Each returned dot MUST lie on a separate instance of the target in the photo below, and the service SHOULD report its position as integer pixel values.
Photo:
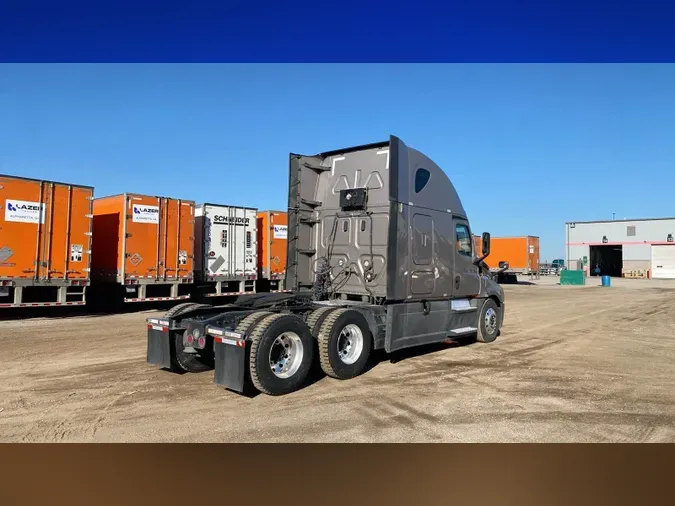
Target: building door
(663, 261)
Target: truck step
(463, 330)
(311, 203)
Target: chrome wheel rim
(490, 320)
(350, 344)
(286, 355)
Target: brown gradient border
(347, 474)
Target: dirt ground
(587, 364)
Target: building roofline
(619, 221)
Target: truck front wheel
(488, 322)
(281, 352)
(345, 343)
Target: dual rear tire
(282, 347)
(345, 343)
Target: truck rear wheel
(345, 343)
(316, 319)
(249, 321)
(281, 352)
(180, 360)
(488, 322)
(183, 307)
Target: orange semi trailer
(143, 248)
(272, 244)
(521, 253)
(45, 242)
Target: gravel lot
(587, 364)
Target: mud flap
(159, 345)
(230, 361)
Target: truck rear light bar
(226, 336)
(155, 324)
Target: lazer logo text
(24, 212)
(145, 214)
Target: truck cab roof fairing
(394, 175)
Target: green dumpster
(572, 278)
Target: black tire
(182, 308)
(329, 338)
(187, 362)
(485, 334)
(262, 337)
(249, 321)
(316, 319)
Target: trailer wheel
(187, 362)
(488, 322)
(345, 343)
(280, 353)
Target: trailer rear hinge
(88, 234)
(191, 238)
(313, 203)
(85, 270)
(128, 234)
(90, 197)
(88, 252)
(318, 168)
(89, 216)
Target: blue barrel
(606, 281)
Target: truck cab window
(421, 179)
(464, 241)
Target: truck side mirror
(486, 243)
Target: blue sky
(527, 146)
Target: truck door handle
(457, 280)
(426, 309)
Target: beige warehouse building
(630, 248)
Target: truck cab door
(466, 276)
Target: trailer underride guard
(380, 256)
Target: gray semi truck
(380, 256)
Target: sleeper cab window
(464, 241)
(421, 179)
